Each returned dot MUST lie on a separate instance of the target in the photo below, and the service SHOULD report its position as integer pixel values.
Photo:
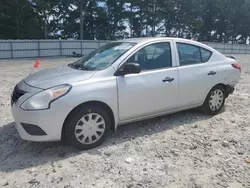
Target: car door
(197, 75)
(154, 89)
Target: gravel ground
(186, 149)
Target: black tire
(206, 107)
(72, 120)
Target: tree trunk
(45, 25)
(17, 22)
(45, 30)
(17, 29)
(131, 20)
(147, 19)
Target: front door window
(154, 56)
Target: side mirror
(129, 68)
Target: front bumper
(39, 126)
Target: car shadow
(17, 154)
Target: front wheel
(215, 101)
(87, 127)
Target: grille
(17, 93)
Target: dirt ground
(183, 150)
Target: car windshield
(102, 57)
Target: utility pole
(81, 19)
(147, 10)
(131, 20)
(82, 13)
(154, 21)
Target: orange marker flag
(36, 65)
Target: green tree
(18, 20)
(203, 20)
(116, 15)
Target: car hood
(50, 77)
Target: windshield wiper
(72, 65)
(84, 68)
(78, 66)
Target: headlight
(42, 100)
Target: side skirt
(157, 115)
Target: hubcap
(216, 100)
(90, 128)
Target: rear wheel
(215, 101)
(87, 128)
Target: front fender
(104, 91)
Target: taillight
(237, 66)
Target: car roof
(144, 40)
(148, 39)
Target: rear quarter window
(205, 55)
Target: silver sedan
(121, 82)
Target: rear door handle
(211, 73)
(168, 79)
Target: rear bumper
(229, 90)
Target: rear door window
(188, 54)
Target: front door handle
(168, 79)
(211, 73)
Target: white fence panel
(48, 48)
(5, 46)
(50, 52)
(25, 45)
(88, 45)
(27, 53)
(67, 52)
(5, 54)
(71, 44)
(49, 45)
